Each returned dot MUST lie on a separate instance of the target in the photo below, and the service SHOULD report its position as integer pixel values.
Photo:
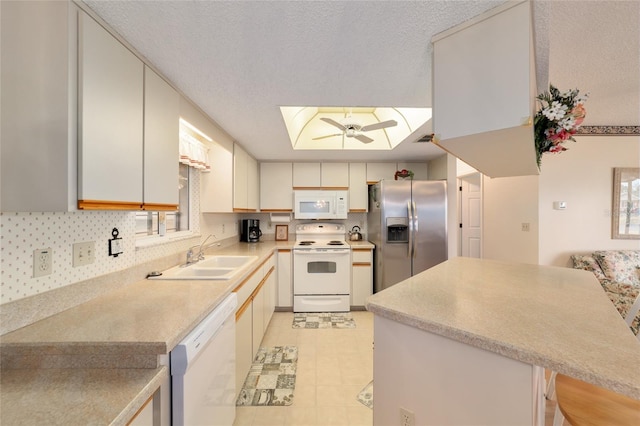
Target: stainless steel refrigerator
(407, 222)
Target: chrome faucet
(196, 257)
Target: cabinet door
(161, 128)
(335, 175)
(378, 171)
(38, 119)
(358, 189)
(253, 184)
(244, 351)
(216, 195)
(111, 120)
(285, 282)
(306, 175)
(361, 276)
(257, 318)
(240, 183)
(269, 296)
(276, 187)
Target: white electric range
(321, 268)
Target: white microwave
(309, 204)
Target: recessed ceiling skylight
(351, 128)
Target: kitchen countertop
(102, 356)
(72, 396)
(556, 318)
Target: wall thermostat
(559, 205)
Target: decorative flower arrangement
(558, 120)
(404, 173)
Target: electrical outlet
(42, 262)
(84, 253)
(223, 228)
(525, 227)
(407, 418)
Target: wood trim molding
(238, 210)
(276, 210)
(108, 205)
(243, 308)
(361, 264)
(357, 210)
(160, 207)
(284, 250)
(360, 249)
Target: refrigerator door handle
(410, 220)
(414, 227)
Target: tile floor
(333, 367)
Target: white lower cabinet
(361, 275)
(244, 342)
(256, 298)
(285, 279)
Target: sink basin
(211, 268)
(225, 261)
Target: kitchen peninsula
(466, 342)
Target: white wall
(507, 204)
(583, 177)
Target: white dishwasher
(203, 390)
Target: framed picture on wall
(282, 232)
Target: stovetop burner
(306, 243)
(335, 243)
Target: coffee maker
(250, 230)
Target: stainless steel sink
(210, 268)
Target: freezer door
(393, 260)
(430, 224)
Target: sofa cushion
(620, 265)
(588, 263)
(623, 303)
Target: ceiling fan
(352, 129)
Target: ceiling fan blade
(333, 123)
(327, 136)
(363, 138)
(381, 125)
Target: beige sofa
(619, 274)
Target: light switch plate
(84, 253)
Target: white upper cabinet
(216, 186)
(110, 145)
(378, 171)
(161, 133)
(253, 184)
(39, 110)
(484, 91)
(306, 175)
(358, 189)
(276, 187)
(334, 175)
(245, 181)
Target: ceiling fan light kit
(352, 129)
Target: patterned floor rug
(323, 320)
(272, 377)
(366, 395)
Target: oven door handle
(321, 251)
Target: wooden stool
(585, 404)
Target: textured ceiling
(240, 61)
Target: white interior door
(471, 215)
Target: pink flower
(557, 148)
(579, 112)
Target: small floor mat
(366, 395)
(323, 320)
(272, 377)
